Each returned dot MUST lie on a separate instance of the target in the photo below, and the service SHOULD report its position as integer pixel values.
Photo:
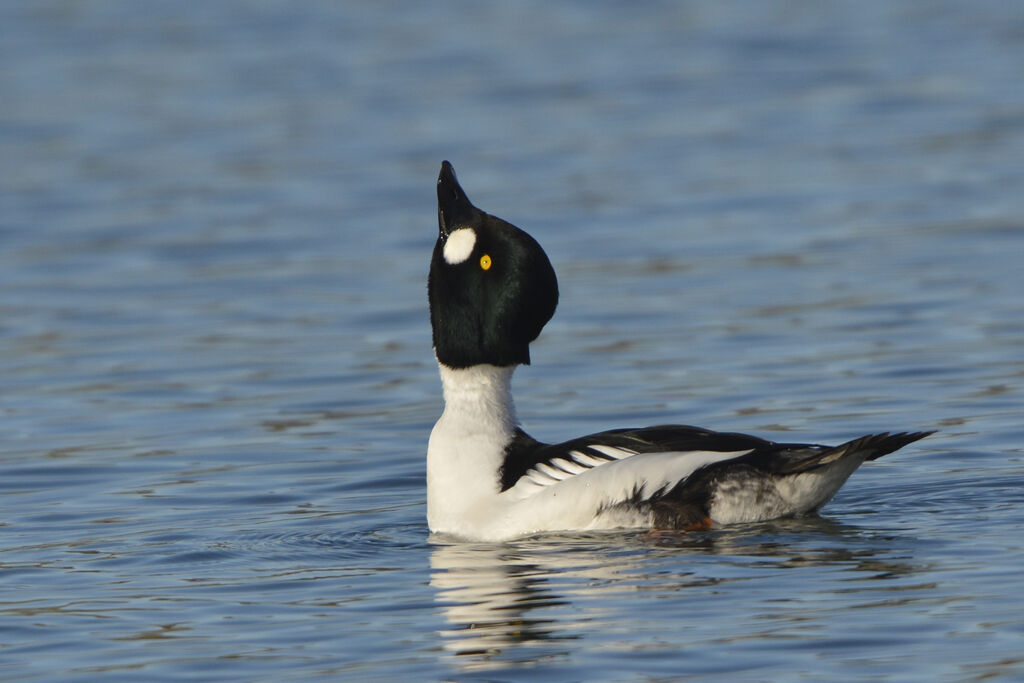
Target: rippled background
(216, 382)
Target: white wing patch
(612, 452)
(568, 466)
(551, 472)
(585, 460)
(575, 462)
(650, 473)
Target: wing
(546, 464)
(671, 474)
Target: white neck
(479, 397)
(467, 445)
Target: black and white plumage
(491, 290)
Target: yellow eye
(485, 262)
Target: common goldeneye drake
(491, 290)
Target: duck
(491, 289)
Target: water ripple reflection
(517, 604)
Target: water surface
(216, 381)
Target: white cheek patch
(459, 245)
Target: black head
(491, 286)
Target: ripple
(371, 543)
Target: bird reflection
(521, 602)
(495, 600)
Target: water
(216, 381)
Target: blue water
(216, 380)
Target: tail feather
(877, 445)
(870, 447)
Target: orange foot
(704, 524)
